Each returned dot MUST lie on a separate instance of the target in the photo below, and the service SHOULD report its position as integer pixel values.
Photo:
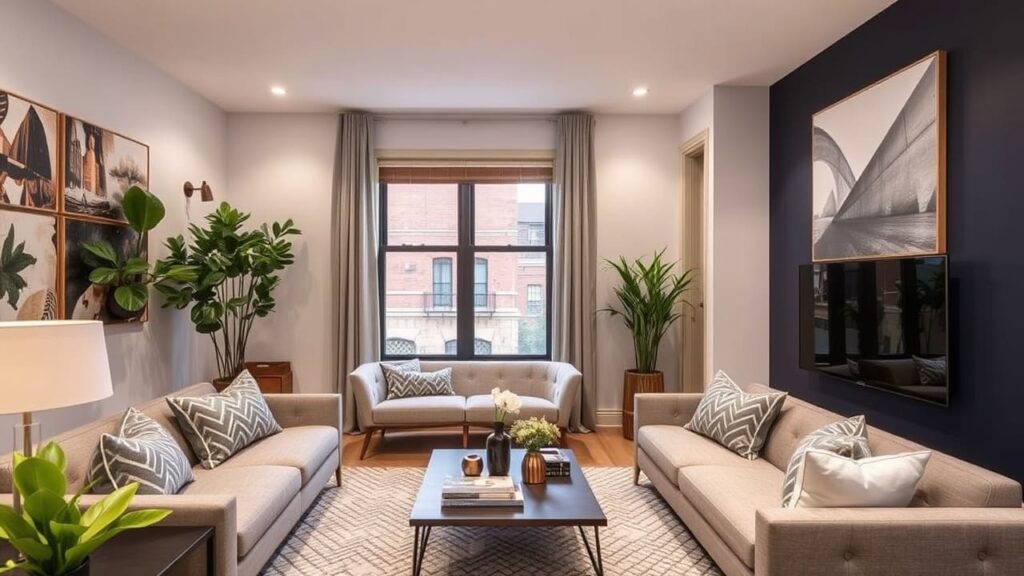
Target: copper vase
(534, 469)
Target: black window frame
(466, 252)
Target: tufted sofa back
(528, 378)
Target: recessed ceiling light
(640, 91)
(278, 91)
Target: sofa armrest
(217, 511)
(650, 409)
(905, 541)
(564, 391)
(369, 389)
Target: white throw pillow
(833, 481)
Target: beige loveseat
(252, 500)
(964, 520)
(547, 389)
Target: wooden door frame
(694, 148)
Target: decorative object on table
(28, 153)
(648, 299)
(54, 536)
(534, 434)
(830, 480)
(99, 168)
(472, 465)
(237, 272)
(127, 276)
(879, 168)
(498, 491)
(847, 437)
(219, 425)
(735, 419)
(28, 266)
(556, 464)
(499, 443)
(272, 377)
(34, 381)
(142, 452)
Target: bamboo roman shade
(455, 174)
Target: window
(493, 305)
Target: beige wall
(59, 61)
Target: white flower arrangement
(505, 403)
(535, 433)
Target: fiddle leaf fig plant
(52, 534)
(131, 276)
(237, 271)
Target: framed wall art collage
(62, 180)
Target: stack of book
(485, 491)
(558, 466)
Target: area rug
(363, 530)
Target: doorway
(694, 255)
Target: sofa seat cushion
(673, 447)
(421, 410)
(302, 447)
(728, 497)
(262, 493)
(480, 409)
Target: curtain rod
(468, 117)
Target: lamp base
(25, 435)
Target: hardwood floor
(604, 447)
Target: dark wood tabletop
(559, 502)
(152, 551)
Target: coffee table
(559, 502)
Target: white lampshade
(52, 364)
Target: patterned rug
(363, 530)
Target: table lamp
(50, 364)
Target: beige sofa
(252, 500)
(964, 519)
(547, 389)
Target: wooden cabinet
(273, 377)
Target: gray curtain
(354, 242)
(575, 262)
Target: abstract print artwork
(99, 166)
(878, 161)
(28, 266)
(84, 300)
(28, 153)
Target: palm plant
(648, 299)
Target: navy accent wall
(984, 423)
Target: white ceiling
(471, 55)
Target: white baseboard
(609, 418)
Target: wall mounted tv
(878, 323)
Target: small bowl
(472, 465)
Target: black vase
(499, 451)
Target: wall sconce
(205, 192)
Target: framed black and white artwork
(28, 153)
(99, 166)
(879, 168)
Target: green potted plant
(52, 534)
(129, 277)
(236, 274)
(534, 434)
(648, 300)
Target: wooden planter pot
(634, 383)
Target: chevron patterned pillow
(142, 452)
(407, 384)
(735, 419)
(219, 425)
(847, 438)
(402, 365)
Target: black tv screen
(879, 323)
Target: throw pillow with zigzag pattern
(219, 425)
(408, 384)
(847, 438)
(142, 452)
(735, 419)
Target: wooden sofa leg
(636, 475)
(366, 441)
(337, 475)
(465, 436)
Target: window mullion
(464, 291)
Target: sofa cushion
(302, 447)
(421, 410)
(480, 409)
(262, 493)
(410, 383)
(141, 452)
(847, 437)
(738, 420)
(728, 497)
(673, 447)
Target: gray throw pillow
(142, 452)
(408, 384)
(847, 438)
(402, 365)
(735, 419)
(219, 425)
(931, 371)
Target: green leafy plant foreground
(13, 260)
(52, 534)
(132, 276)
(648, 298)
(236, 274)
